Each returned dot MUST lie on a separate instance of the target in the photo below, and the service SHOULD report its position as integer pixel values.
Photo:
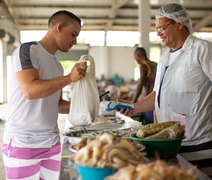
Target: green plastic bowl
(166, 148)
(88, 173)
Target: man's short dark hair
(64, 17)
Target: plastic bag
(85, 101)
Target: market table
(69, 172)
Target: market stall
(122, 125)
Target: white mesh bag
(84, 96)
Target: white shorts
(26, 163)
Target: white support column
(105, 38)
(106, 61)
(3, 71)
(144, 22)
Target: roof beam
(206, 20)
(114, 11)
(5, 13)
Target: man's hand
(78, 71)
(128, 112)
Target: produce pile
(107, 150)
(156, 170)
(163, 130)
(110, 151)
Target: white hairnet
(177, 13)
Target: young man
(32, 147)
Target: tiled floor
(3, 114)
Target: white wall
(100, 55)
(113, 60)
